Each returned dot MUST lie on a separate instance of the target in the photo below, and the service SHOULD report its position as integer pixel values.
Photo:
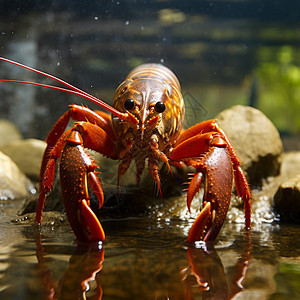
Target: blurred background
(223, 52)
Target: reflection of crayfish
(206, 272)
(84, 266)
(203, 276)
(146, 124)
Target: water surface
(147, 259)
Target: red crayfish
(145, 125)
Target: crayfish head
(144, 101)
(151, 103)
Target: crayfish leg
(51, 155)
(243, 191)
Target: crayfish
(145, 124)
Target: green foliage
(287, 281)
(279, 86)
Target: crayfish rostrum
(144, 125)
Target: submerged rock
(287, 200)
(8, 132)
(27, 154)
(256, 141)
(13, 183)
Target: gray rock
(8, 132)
(256, 141)
(287, 200)
(13, 183)
(27, 154)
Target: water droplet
(58, 63)
(200, 245)
(96, 18)
(127, 23)
(162, 60)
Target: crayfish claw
(217, 193)
(77, 170)
(90, 223)
(97, 188)
(193, 188)
(200, 225)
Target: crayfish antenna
(70, 89)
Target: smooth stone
(27, 154)
(8, 132)
(256, 141)
(13, 183)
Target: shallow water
(147, 259)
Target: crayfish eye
(160, 107)
(129, 104)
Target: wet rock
(287, 200)
(256, 141)
(290, 164)
(27, 154)
(49, 218)
(8, 132)
(263, 199)
(13, 183)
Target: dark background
(223, 52)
